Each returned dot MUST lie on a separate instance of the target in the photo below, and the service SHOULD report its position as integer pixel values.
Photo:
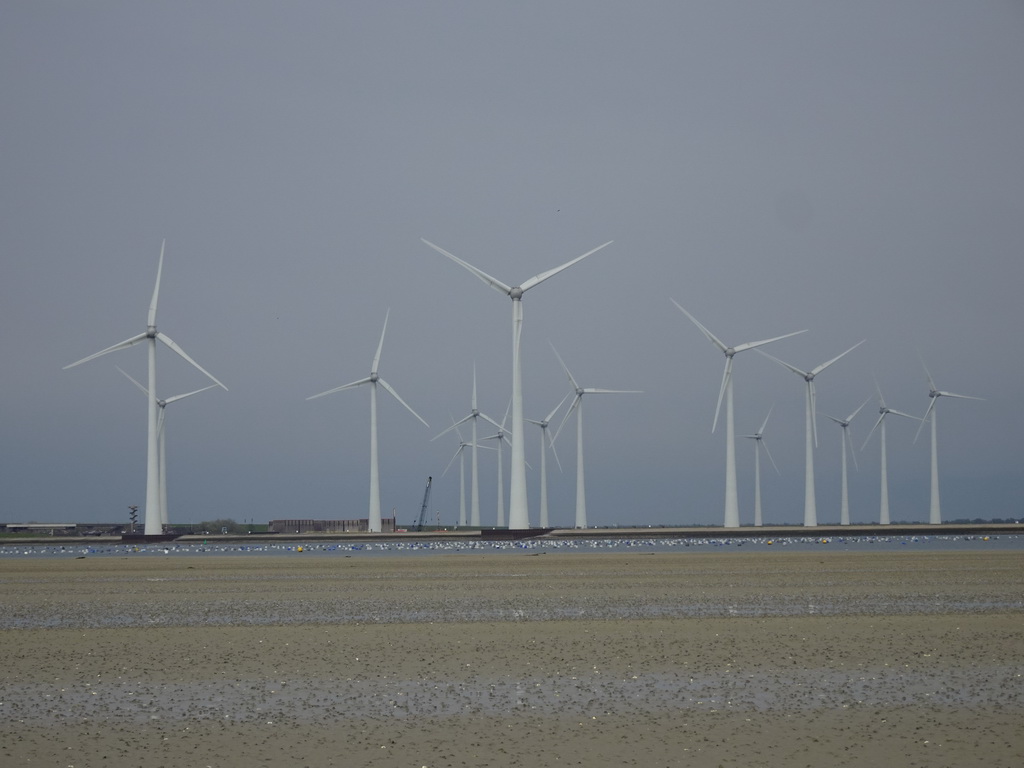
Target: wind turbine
(546, 440)
(732, 508)
(153, 525)
(474, 414)
(844, 514)
(373, 380)
(758, 438)
(577, 405)
(519, 514)
(810, 508)
(935, 516)
(459, 454)
(501, 438)
(883, 515)
(162, 445)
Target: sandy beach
(695, 658)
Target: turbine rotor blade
(350, 385)
(174, 399)
(726, 375)
(592, 391)
(380, 345)
(960, 397)
(538, 279)
(120, 345)
(812, 394)
(755, 344)
(793, 368)
(565, 368)
(491, 281)
(850, 417)
(872, 431)
(181, 352)
(551, 444)
(133, 381)
(765, 423)
(905, 415)
(764, 445)
(931, 383)
(707, 334)
(453, 426)
(572, 407)
(931, 406)
(151, 319)
(555, 409)
(849, 438)
(395, 395)
(823, 366)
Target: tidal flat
(705, 658)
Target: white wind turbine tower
(844, 514)
(373, 380)
(811, 441)
(883, 514)
(546, 440)
(519, 514)
(732, 508)
(577, 405)
(162, 444)
(758, 438)
(474, 414)
(935, 515)
(153, 525)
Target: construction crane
(423, 509)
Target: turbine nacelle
(516, 293)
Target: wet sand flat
(683, 658)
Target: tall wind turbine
(546, 441)
(162, 445)
(373, 380)
(844, 514)
(519, 514)
(758, 438)
(935, 516)
(474, 414)
(732, 507)
(883, 514)
(577, 405)
(153, 526)
(810, 508)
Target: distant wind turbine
(546, 441)
(162, 445)
(502, 438)
(811, 441)
(373, 380)
(883, 514)
(758, 438)
(474, 414)
(577, 405)
(732, 507)
(460, 455)
(844, 514)
(935, 514)
(519, 515)
(153, 524)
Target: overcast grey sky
(855, 169)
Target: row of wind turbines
(811, 435)
(156, 516)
